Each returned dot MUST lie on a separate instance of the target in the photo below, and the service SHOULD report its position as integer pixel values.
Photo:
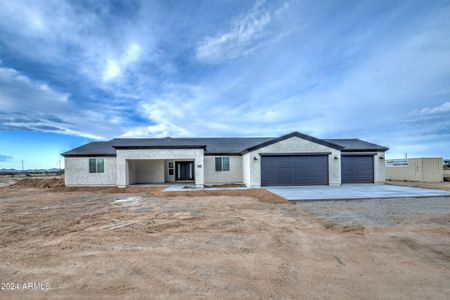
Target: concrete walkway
(352, 191)
(192, 188)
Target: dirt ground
(142, 243)
(430, 185)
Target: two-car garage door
(284, 170)
(278, 170)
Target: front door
(184, 170)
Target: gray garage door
(294, 170)
(357, 169)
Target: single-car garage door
(294, 170)
(357, 169)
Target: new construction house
(292, 159)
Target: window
(170, 168)
(96, 165)
(222, 164)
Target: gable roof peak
(294, 134)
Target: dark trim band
(222, 154)
(88, 155)
(296, 154)
(158, 147)
(366, 150)
(358, 153)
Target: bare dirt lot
(445, 186)
(142, 243)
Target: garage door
(294, 170)
(357, 169)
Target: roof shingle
(211, 145)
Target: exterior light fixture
(336, 158)
(381, 157)
(255, 158)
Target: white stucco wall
(379, 168)
(76, 172)
(294, 145)
(221, 177)
(169, 178)
(123, 156)
(146, 171)
(246, 169)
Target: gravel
(378, 212)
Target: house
(292, 159)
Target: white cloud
(30, 105)
(115, 67)
(443, 108)
(247, 33)
(63, 34)
(20, 92)
(157, 131)
(192, 110)
(112, 70)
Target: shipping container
(423, 169)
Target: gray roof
(93, 149)
(211, 145)
(237, 145)
(357, 145)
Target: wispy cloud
(246, 34)
(443, 108)
(29, 105)
(115, 67)
(5, 158)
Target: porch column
(122, 172)
(199, 171)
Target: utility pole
(22, 165)
(60, 164)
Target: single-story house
(292, 159)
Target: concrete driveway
(352, 191)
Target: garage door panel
(357, 169)
(294, 170)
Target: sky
(77, 71)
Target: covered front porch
(159, 166)
(159, 171)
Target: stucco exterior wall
(167, 177)
(146, 171)
(221, 177)
(295, 145)
(246, 169)
(123, 156)
(379, 168)
(77, 172)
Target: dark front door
(357, 169)
(294, 170)
(184, 170)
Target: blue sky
(75, 71)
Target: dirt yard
(445, 186)
(142, 243)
